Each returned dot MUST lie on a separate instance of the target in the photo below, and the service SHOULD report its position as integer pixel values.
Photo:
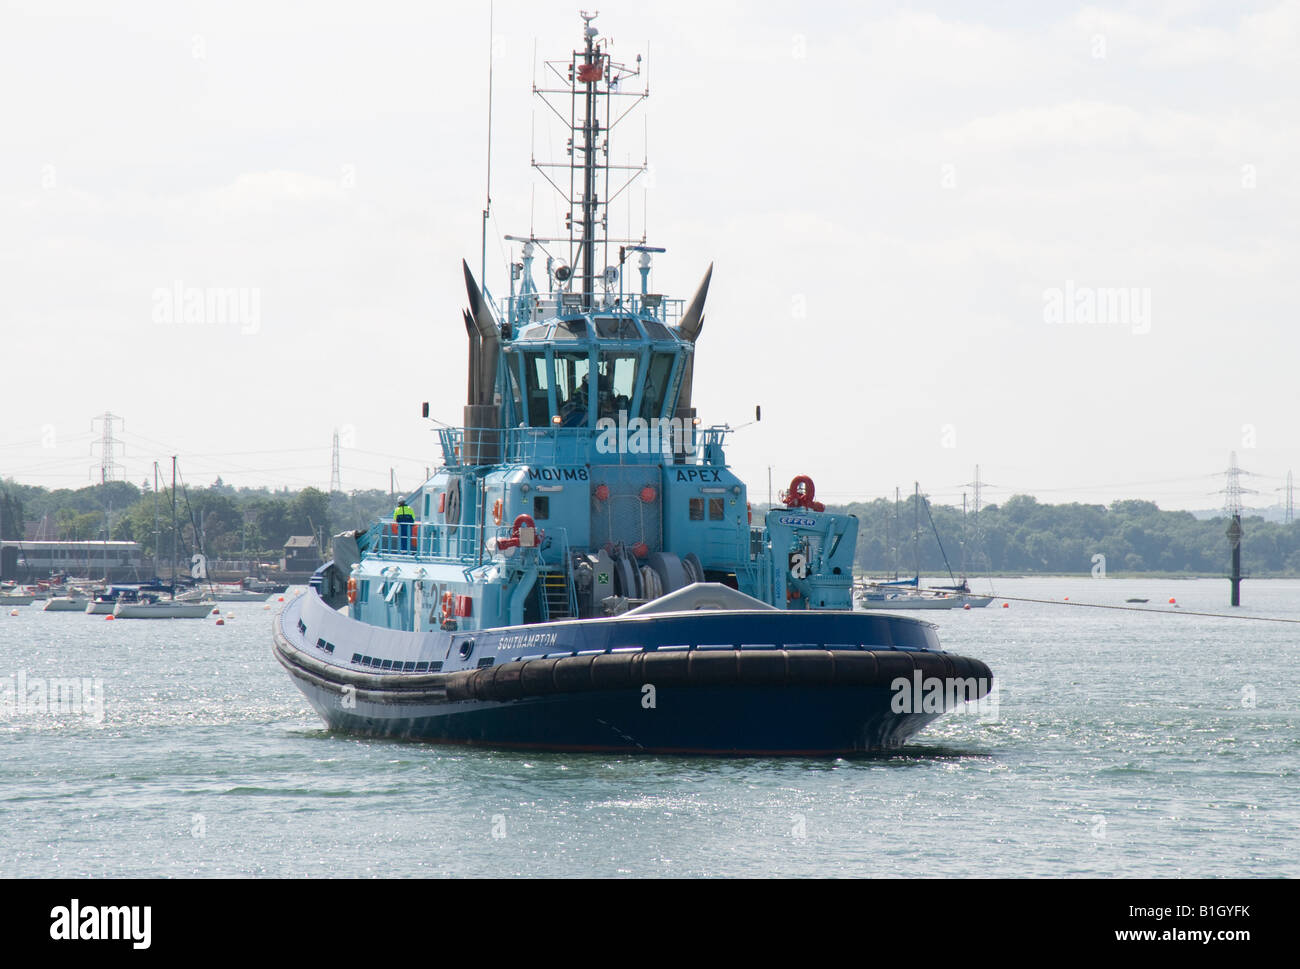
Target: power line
(336, 484)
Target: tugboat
(583, 571)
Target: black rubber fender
(891, 664)
(856, 668)
(573, 674)
(713, 667)
(537, 677)
(879, 668)
(761, 667)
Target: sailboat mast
(916, 532)
(963, 536)
(898, 498)
(175, 530)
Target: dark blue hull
(811, 698)
(725, 721)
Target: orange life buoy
(497, 511)
(352, 590)
(523, 521)
(448, 599)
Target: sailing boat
(908, 593)
(152, 607)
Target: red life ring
(523, 521)
(352, 590)
(497, 511)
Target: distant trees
(229, 523)
(11, 515)
(1023, 535)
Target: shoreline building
(30, 561)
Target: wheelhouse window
(572, 373)
(516, 396)
(617, 328)
(616, 379)
(538, 385)
(656, 385)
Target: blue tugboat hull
(769, 699)
(735, 721)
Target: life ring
(497, 511)
(523, 521)
(448, 601)
(352, 590)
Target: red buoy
(1173, 601)
(1006, 605)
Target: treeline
(1022, 535)
(1019, 535)
(227, 522)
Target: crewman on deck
(405, 518)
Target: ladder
(555, 595)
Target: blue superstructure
(585, 544)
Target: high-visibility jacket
(404, 513)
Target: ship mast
(592, 68)
(591, 84)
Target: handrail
(543, 308)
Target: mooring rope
(1171, 611)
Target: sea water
(1122, 743)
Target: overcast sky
(911, 209)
